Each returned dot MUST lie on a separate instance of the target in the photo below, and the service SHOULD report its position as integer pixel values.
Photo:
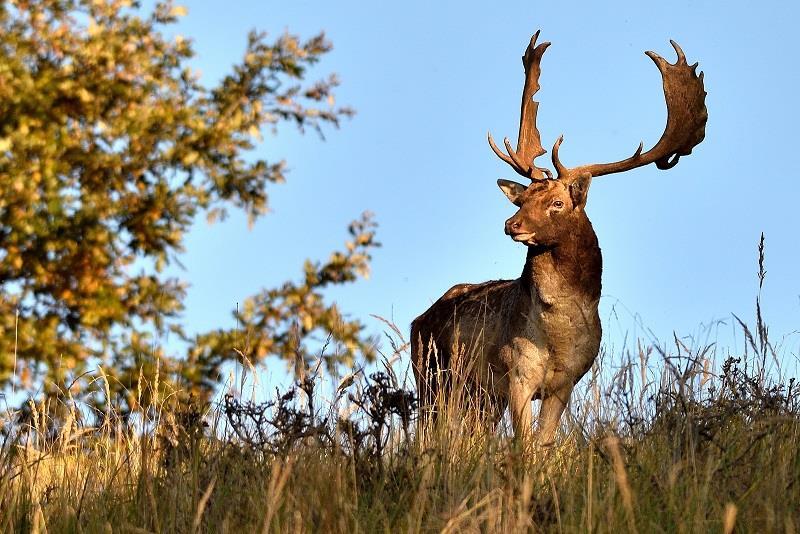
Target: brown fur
(536, 336)
(533, 337)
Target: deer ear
(512, 190)
(579, 190)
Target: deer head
(547, 205)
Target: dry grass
(666, 446)
(663, 439)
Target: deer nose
(512, 226)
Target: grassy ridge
(663, 444)
(663, 439)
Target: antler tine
(529, 145)
(679, 51)
(560, 169)
(514, 156)
(686, 121)
(500, 154)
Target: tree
(110, 146)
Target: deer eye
(558, 204)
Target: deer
(535, 337)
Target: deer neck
(566, 274)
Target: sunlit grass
(674, 439)
(668, 442)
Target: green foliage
(276, 321)
(110, 147)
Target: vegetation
(110, 147)
(661, 440)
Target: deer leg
(521, 411)
(550, 414)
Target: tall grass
(656, 439)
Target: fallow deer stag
(536, 336)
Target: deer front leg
(521, 413)
(550, 414)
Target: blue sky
(429, 79)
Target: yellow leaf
(255, 132)
(94, 28)
(213, 215)
(85, 95)
(179, 11)
(5, 144)
(190, 158)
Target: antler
(529, 144)
(686, 122)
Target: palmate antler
(529, 144)
(686, 121)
